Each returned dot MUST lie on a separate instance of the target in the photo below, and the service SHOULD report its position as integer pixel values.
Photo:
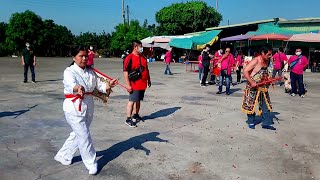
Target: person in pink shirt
(200, 66)
(239, 65)
(218, 54)
(167, 61)
(225, 63)
(91, 55)
(278, 61)
(297, 63)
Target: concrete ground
(189, 132)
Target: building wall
(305, 27)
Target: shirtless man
(255, 72)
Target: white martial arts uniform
(80, 121)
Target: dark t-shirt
(205, 59)
(28, 56)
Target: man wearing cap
(28, 60)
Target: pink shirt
(240, 60)
(217, 56)
(278, 59)
(299, 67)
(227, 63)
(200, 60)
(168, 57)
(90, 58)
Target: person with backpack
(297, 63)
(278, 61)
(137, 77)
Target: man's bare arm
(22, 60)
(248, 69)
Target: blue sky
(98, 15)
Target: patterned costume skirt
(253, 97)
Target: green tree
(47, 38)
(124, 34)
(104, 40)
(153, 29)
(3, 27)
(101, 41)
(62, 37)
(23, 27)
(104, 44)
(87, 39)
(181, 18)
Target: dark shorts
(136, 95)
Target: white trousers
(79, 138)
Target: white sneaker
(293, 94)
(62, 160)
(93, 170)
(200, 82)
(207, 82)
(302, 96)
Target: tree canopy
(47, 37)
(3, 27)
(182, 18)
(124, 34)
(23, 27)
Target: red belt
(77, 96)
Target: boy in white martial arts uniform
(79, 82)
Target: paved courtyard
(189, 132)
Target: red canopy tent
(279, 37)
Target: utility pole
(128, 19)
(217, 4)
(123, 13)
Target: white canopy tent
(159, 41)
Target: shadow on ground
(273, 116)
(161, 113)
(234, 90)
(16, 113)
(116, 150)
(50, 80)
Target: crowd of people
(219, 67)
(223, 63)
